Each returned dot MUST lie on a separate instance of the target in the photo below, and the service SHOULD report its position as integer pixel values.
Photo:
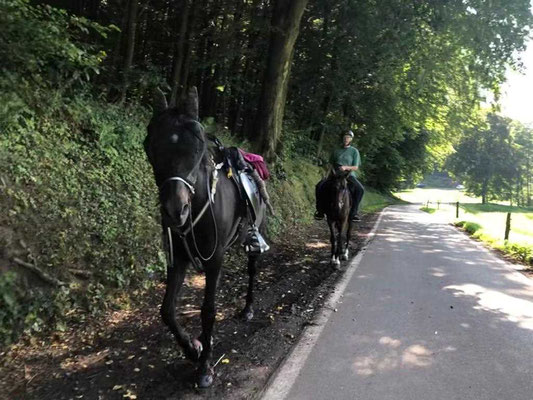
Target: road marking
(281, 382)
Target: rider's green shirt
(346, 156)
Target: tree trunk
(130, 44)
(118, 42)
(484, 190)
(285, 28)
(179, 55)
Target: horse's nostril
(184, 210)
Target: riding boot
(262, 190)
(254, 242)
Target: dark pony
(197, 231)
(337, 212)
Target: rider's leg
(357, 190)
(254, 242)
(319, 196)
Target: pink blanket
(257, 162)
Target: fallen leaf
(225, 361)
(117, 387)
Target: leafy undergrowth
(517, 251)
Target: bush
(523, 253)
(470, 227)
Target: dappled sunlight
(416, 356)
(438, 272)
(317, 245)
(196, 281)
(390, 354)
(512, 309)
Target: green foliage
(429, 210)
(470, 227)
(522, 253)
(485, 159)
(518, 251)
(407, 76)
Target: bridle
(189, 181)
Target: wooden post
(457, 210)
(507, 226)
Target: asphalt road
(427, 314)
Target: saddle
(242, 174)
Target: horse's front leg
(340, 229)
(205, 372)
(248, 312)
(175, 277)
(333, 239)
(346, 253)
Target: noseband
(189, 182)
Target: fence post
(457, 210)
(507, 226)
(438, 205)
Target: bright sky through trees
(517, 92)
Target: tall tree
(485, 159)
(179, 56)
(286, 18)
(130, 44)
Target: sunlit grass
(375, 201)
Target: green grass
(429, 210)
(374, 201)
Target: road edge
(281, 381)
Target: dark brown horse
(202, 214)
(337, 213)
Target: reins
(211, 191)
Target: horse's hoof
(345, 256)
(247, 315)
(194, 351)
(197, 346)
(205, 379)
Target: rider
(345, 158)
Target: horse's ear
(160, 101)
(191, 103)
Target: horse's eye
(174, 138)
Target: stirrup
(319, 216)
(255, 243)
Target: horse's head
(339, 191)
(176, 147)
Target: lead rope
(170, 248)
(211, 190)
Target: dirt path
(131, 354)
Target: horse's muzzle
(176, 215)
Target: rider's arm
(355, 162)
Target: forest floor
(131, 354)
